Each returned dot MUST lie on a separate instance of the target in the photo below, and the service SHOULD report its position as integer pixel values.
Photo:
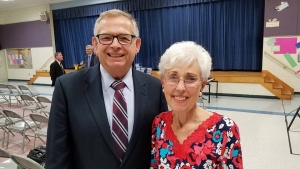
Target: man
(87, 126)
(56, 68)
(89, 58)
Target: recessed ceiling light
(7, 0)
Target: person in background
(101, 117)
(89, 59)
(189, 136)
(56, 68)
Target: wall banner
(19, 58)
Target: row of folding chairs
(34, 104)
(8, 93)
(11, 122)
(15, 161)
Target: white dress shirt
(108, 95)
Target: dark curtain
(231, 30)
(71, 38)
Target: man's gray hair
(89, 46)
(114, 13)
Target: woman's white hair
(185, 53)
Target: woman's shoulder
(164, 116)
(223, 121)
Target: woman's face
(182, 85)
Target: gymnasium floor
(262, 126)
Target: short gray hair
(56, 54)
(89, 46)
(186, 53)
(114, 13)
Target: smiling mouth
(115, 56)
(180, 98)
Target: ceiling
(7, 5)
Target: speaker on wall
(43, 16)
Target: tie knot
(118, 85)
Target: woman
(188, 136)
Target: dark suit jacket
(79, 135)
(92, 60)
(96, 60)
(55, 71)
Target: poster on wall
(19, 58)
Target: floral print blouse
(214, 144)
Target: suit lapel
(94, 95)
(140, 98)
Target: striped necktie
(120, 122)
(89, 61)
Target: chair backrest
(26, 97)
(24, 89)
(11, 114)
(38, 118)
(26, 162)
(4, 153)
(13, 89)
(3, 87)
(43, 99)
(28, 100)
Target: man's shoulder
(53, 63)
(79, 75)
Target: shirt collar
(107, 79)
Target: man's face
(59, 57)
(88, 51)
(116, 58)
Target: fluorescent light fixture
(7, 0)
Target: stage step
(265, 78)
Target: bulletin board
(19, 58)
(286, 50)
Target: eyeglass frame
(184, 82)
(115, 36)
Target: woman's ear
(203, 85)
(162, 81)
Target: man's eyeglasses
(188, 81)
(123, 39)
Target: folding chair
(30, 103)
(39, 119)
(14, 92)
(26, 90)
(3, 102)
(8, 164)
(25, 162)
(4, 93)
(4, 122)
(19, 127)
(46, 104)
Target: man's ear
(138, 44)
(94, 43)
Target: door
(3, 66)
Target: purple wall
(25, 35)
(298, 14)
(289, 18)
